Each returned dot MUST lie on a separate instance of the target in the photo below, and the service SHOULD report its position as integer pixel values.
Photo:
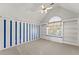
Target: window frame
(61, 25)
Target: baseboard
(74, 44)
(64, 42)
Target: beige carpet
(42, 47)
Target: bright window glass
(55, 27)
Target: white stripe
(21, 32)
(7, 33)
(1, 33)
(18, 33)
(13, 33)
(28, 33)
(33, 31)
(25, 31)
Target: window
(55, 27)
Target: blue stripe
(4, 33)
(26, 31)
(20, 32)
(15, 33)
(10, 33)
(23, 32)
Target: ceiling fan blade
(45, 11)
(52, 3)
(49, 8)
(43, 6)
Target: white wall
(65, 16)
(71, 31)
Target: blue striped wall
(23, 32)
(15, 33)
(29, 33)
(20, 32)
(11, 33)
(4, 33)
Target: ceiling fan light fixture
(49, 8)
(52, 3)
(45, 9)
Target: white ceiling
(31, 11)
(74, 7)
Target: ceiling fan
(44, 8)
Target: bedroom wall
(71, 31)
(65, 16)
(18, 13)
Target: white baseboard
(75, 44)
(61, 41)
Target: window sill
(55, 36)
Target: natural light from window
(55, 27)
(55, 18)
